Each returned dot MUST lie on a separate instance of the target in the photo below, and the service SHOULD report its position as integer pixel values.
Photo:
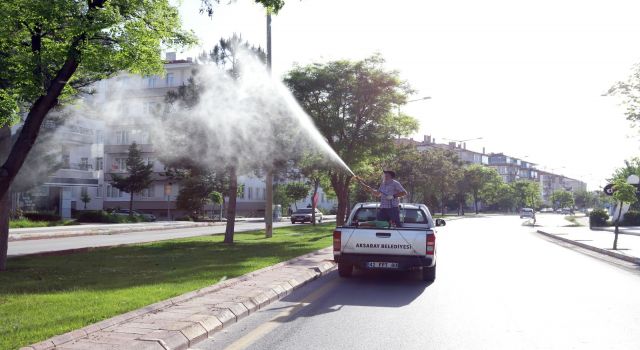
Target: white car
(304, 215)
(365, 243)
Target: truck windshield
(407, 216)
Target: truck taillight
(337, 235)
(431, 244)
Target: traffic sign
(608, 190)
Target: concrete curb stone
(627, 258)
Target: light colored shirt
(391, 188)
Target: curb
(627, 258)
(13, 237)
(203, 327)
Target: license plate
(382, 265)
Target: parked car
(527, 213)
(546, 210)
(147, 217)
(304, 215)
(566, 211)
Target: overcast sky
(526, 76)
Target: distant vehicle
(527, 213)
(365, 243)
(558, 211)
(125, 212)
(304, 215)
(566, 211)
(546, 210)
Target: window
(99, 137)
(151, 82)
(149, 192)
(122, 137)
(149, 160)
(170, 79)
(84, 164)
(250, 193)
(113, 192)
(119, 164)
(99, 163)
(99, 191)
(84, 190)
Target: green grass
(24, 223)
(573, 220)
(44, 296)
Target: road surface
(499, 286)
(78, 242)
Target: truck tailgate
(384, 241)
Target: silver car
(527, 213)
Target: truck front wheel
(429, 273)
(345, 270)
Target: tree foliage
(353, 103)
(51, 50)
(138, 176)
(562, 199)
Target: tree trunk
(131, 204)
(475, 200)
(5, 205)
(34, 119)
(268, 205)
(615, 238)
(340, 184)
(231, 209)
(313, 203)
(5, 200)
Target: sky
(527, 77)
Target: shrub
(598, 217)
(184, 218)
(96, 216)
(41, 216)
(631, 218)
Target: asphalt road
(78, 242)
(499, 286)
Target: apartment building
(550, 182)
(512, 169)
(78, 149)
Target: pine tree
(138, 175)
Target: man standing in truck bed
(390, 192)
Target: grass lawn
(44, 296)
(23, 223)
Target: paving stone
(194, 333)
(225, 316)
(44, 345)
(208, 322)
(125, 328)
(238, 309)
(173, 340)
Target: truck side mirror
(441, 222)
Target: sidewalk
(600, 241)
(181, 322)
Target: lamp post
(268, 208)
(415, 100)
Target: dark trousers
(389, 214)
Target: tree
(477, 177)
(623, 193)
(584, 199)
(562, 199)
(313, 169)
(85, 198)
(51, 50)
(527, 193)
(138, 176)
(297, 191)
(353, 105)
(198, 189)
(442, 172)
(629, 90)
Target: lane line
(284, 316)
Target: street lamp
(466, 140)
(268, 208)
(416, 100)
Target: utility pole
(268, 209)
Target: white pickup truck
(364, 244)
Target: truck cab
(365, 243)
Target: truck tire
(429, 273)
(345, 270)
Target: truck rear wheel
(429, 273)
(345, 270)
